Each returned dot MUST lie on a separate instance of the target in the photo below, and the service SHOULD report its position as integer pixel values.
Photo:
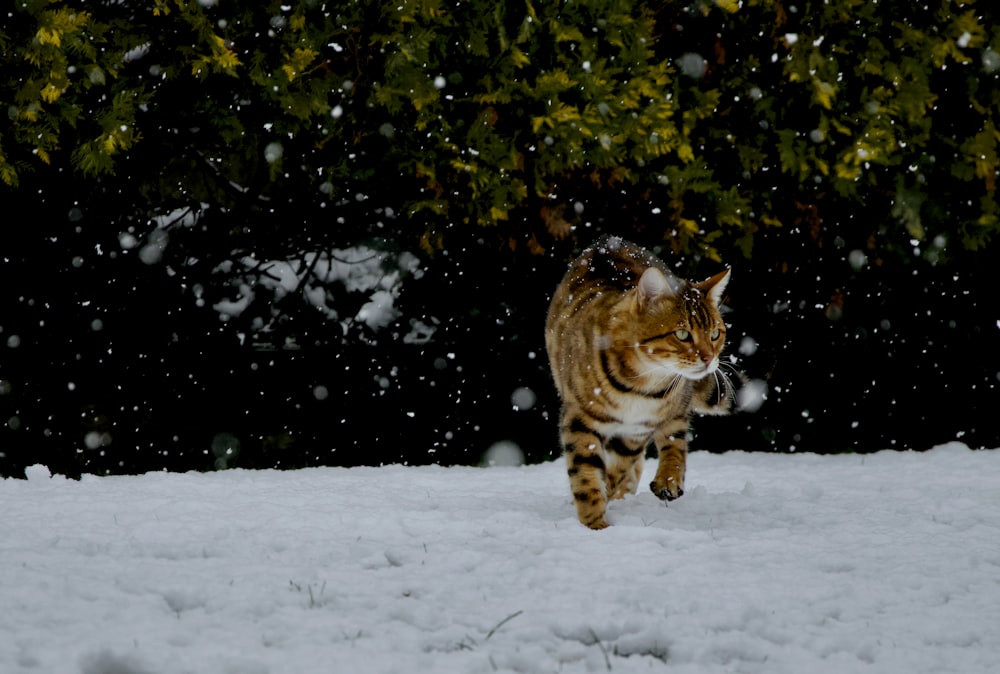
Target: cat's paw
(669, 491)
(598, 524)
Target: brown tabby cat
(634, 350)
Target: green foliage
(519, 106)
(901, 101)
(707, 121)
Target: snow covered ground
(880, 563)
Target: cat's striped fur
(634, 351)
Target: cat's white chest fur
(637, 416)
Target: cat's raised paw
(666, 493)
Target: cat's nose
(706, 358)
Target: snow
(692, 65)
(752, 395)
(376, 274)
(273, 152)
(770, 563)
(378, 312)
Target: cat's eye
(715, 334)
(683, 335)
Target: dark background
(900, 356)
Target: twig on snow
(604, 651)
(502, 623)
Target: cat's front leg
(669, 481)
(585, 466)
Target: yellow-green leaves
(220, 59)
(55, 25)
(980, 151)
(708, 122)
(299, 62)
(513, 101)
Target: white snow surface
(770, 563)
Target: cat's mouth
(700, 370)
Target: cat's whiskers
(727, 381)
(660, 374)
(722, 386)
(670, 387)
(655, 369)
(735, 371)
(652, 370)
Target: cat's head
(678, 327)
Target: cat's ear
(715, 287)
(654, 284)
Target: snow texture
(360, 269)
(770, 563)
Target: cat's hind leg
(586, 468)
(624, 466)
